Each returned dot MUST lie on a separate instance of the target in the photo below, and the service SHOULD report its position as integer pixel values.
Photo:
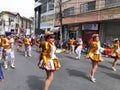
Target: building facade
(27, 26)
(82, 18)
(8, 22)
(14, 23)
(45, 16)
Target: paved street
(73, 74)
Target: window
(83, 8)
(50, 6)
(89, 6)
(51, 1)
(50, 17)
(69, 12)
(109, 3)
(57, 15)
(43, 18)
(44, 8)
(36, 19)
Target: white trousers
(28, 50)
(73, 49)
(1, 53)
(9, 56)
(78, 51)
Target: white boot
(79, 57)
(1, 55)
(13, 63)
(5, 64)
(113, 68)
(92, 79)
(25, 54)
(29, 53)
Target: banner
(89, 26)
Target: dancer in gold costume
(115, 53)
(48, 60)
(94, 54)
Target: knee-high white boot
(13, 63)
(29, 53)
(1, 54)
(5, 64)
(25, 53)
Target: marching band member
(48, 60)
(27, 43)
(115, 53)
(12, 41)
(72, 47)
(19, 42)
(1, 74)
(37, 43)
(94, 54)
(1, 56)
(8, 51)
(1, 47)
(79, 48)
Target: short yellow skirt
(53, 65)
(95, 57)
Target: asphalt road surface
(73, 74)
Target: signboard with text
(89, 26)
(112, 13)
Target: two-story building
(26, 25)
(82, 18)
(8, 21)
(14, 22)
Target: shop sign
(114, 16)
(89, 26)
(113, 13)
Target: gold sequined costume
(48, 59)
(94, 52)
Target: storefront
(88, 30)
(111, 29)
(72, 30)
(110, 24)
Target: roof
(13, 13)
(27, 18)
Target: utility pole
(60, 18)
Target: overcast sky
(24, 7)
